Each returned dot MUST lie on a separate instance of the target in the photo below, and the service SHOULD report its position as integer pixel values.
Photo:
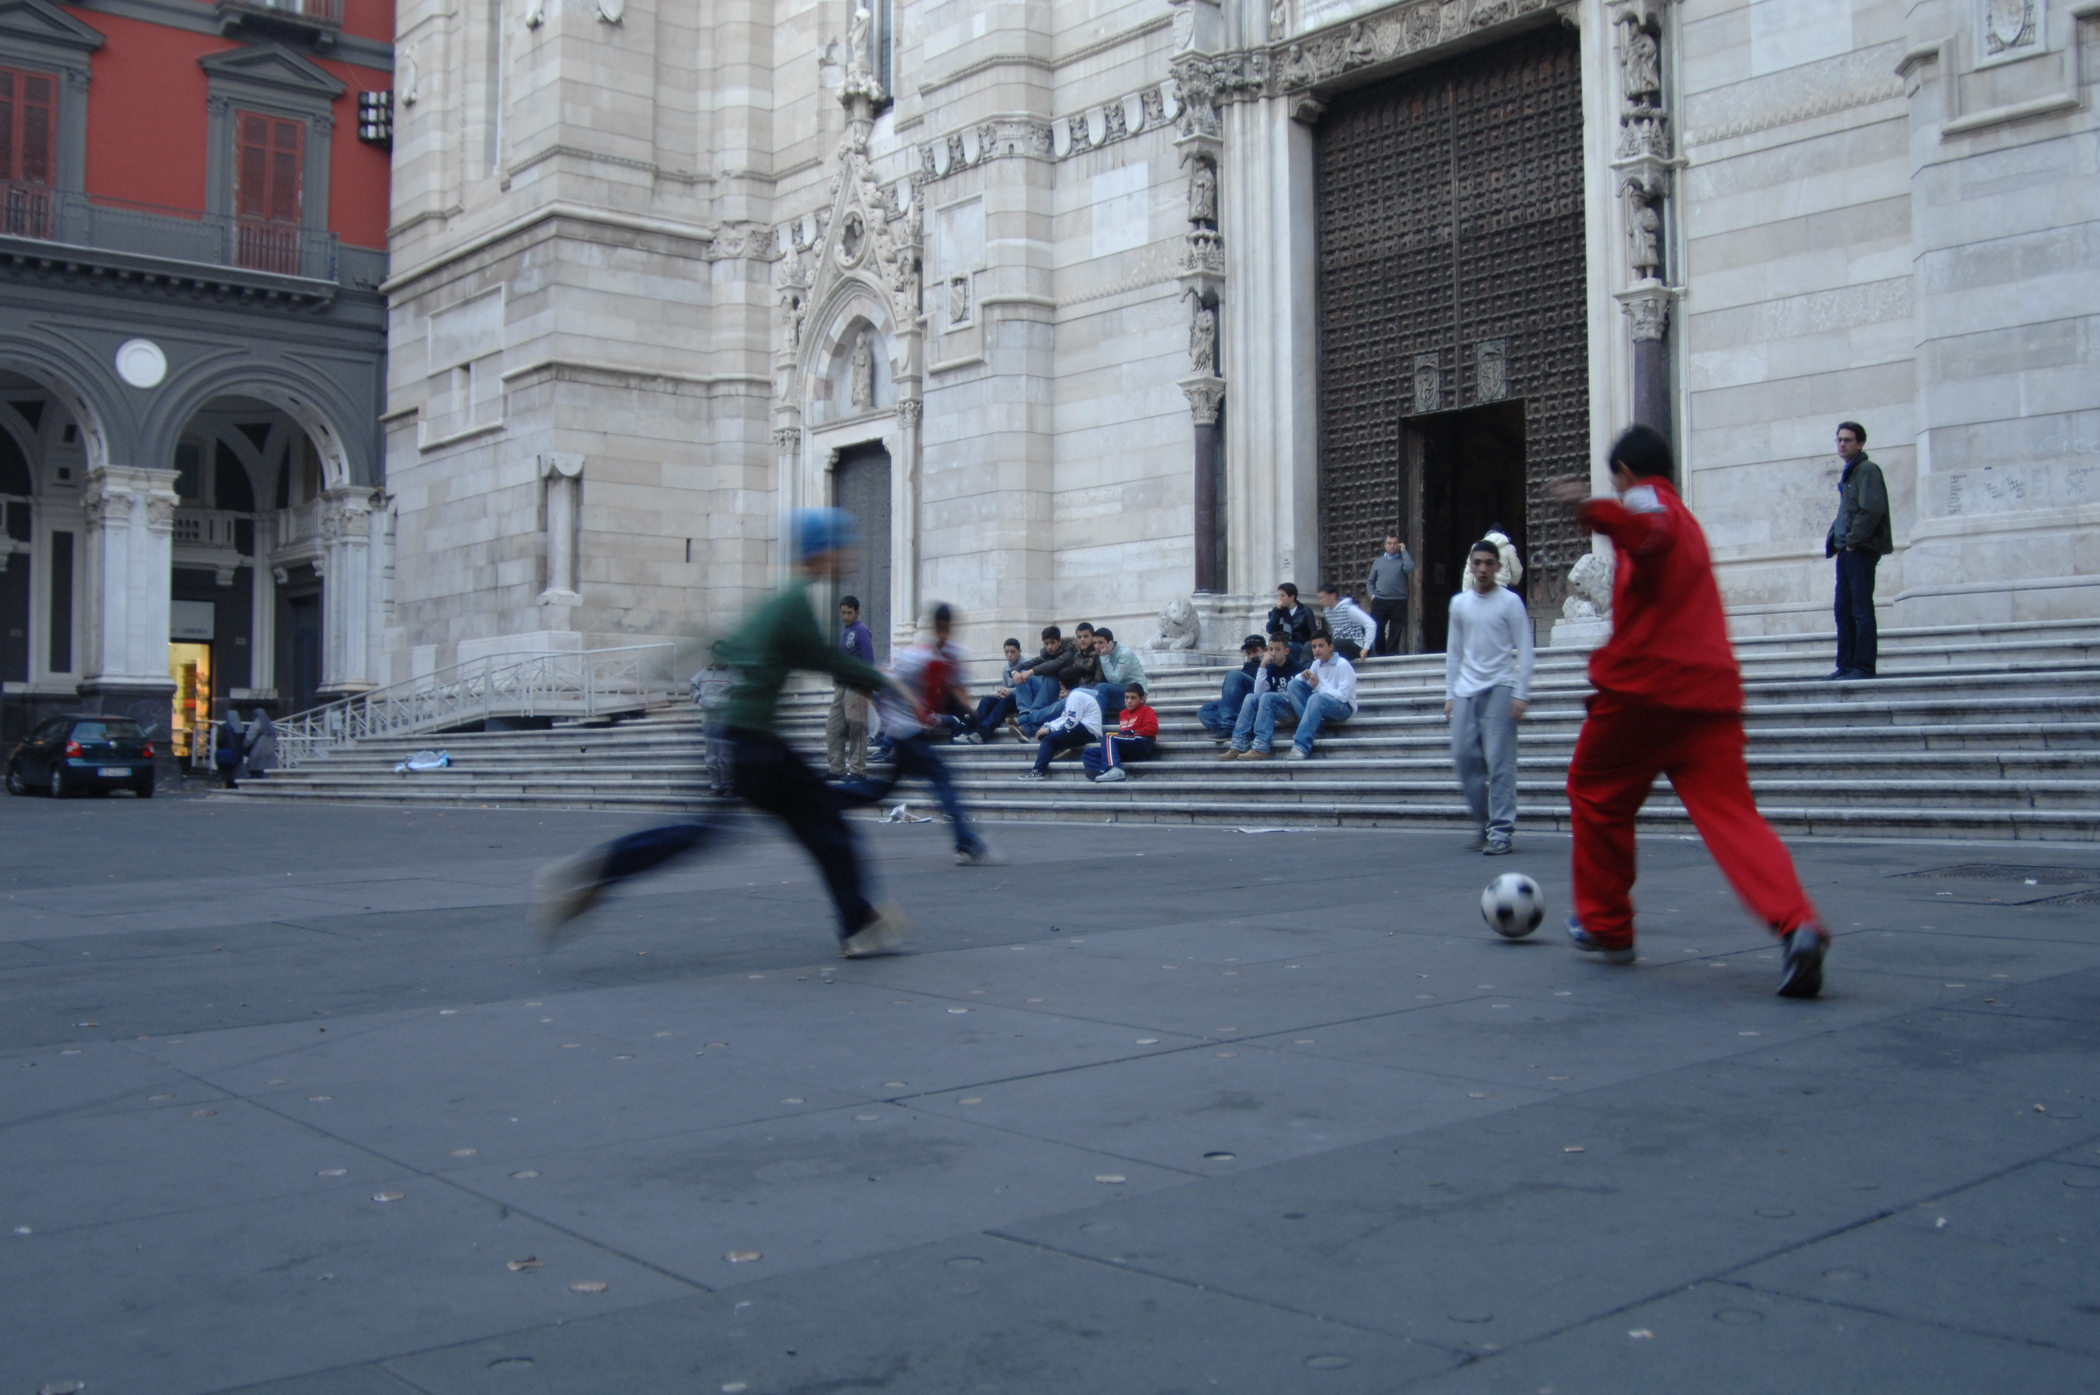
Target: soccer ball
(1512, 905)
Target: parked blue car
(81, 754)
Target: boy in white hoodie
(1078, 724)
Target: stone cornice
(526, 222)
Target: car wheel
(16, 785)
(58, 786)
(143, 789)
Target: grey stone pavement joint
(1147, 1109)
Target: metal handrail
(578, 683)
(109, 224)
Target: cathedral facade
(1086, 307)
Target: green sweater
(780, 637)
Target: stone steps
(1974, 733)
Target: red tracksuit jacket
(1669, 645)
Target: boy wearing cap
(779, 638)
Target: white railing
(586, 683)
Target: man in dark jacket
(1219, 716)
(1859, 538)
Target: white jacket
(1081, 709)
(1337, 680)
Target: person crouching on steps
(1136, 738)
(1669, 701)
(1077, 724)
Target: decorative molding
(787, 440)
(1647, 306)
(909, 411)
(1287, 67)
(1021, 137)
(1828, 104)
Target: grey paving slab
(1719, 1339)
(92, 1077)
(228, 1295)
(348, 1380)
(971, 1315)
(834, 1185)
(2048, 1058)
(2011, 1257)
(1225, 1106)
(1510, 1228)
(95, 1168)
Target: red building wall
(147, 124)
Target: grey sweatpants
(1484, 749)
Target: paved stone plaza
(291, 1106)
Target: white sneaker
(1297, 754)
(563, 891)
(881, 935)
(1113, 773)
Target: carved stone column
(563, 479)
(1202, 149)
(346, 578)
(1642, 176)
(130, 514)
(904, 522)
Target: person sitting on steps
(1346, 622)
(1219, 715)
(1323, 695)
(1136, 738)
(1001, 706)
(1291, 613)
(1278, 668)
(1078, 724)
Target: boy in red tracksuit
(1136, 738)
(1669, 701)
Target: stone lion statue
(1589, 588)
(1178, 626)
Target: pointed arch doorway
(860, 484)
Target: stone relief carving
(1205, 396)
(2010, 25)
(1279, 19)
(1280, 69)
(908, 413)
(1589, 588)
(160, 512)
(1491, 370)
(1179, 627)
(958, 300)
(787, 439)
(1205, 252)
(1640, 66)
(1429, 383)
(1203, 341)
(1649, 310)
(735, 240)
(861, 373)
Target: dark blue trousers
(771, 777)
(917, 756)
(1857, 636)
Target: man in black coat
(1859, 538)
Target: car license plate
(114, 772)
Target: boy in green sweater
(781, 637)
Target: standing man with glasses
(1859, 538)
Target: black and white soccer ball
(1513, 905)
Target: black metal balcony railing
(304, 14)
(187, 235)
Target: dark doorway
(1463, 474)
(300, 655)
(1452, 281)
(862, 488)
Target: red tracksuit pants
(1624, 745)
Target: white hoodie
(1081, 709)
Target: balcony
(73, 234)
(318, 21)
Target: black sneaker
(1801, 971)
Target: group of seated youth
(1299, 675)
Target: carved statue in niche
(1203, 195)
(1640, 66)
(1203, 341)
(958, 299)
(1643, 232)
(860, 373)
(1429, 383)
(860, 55)
(1298, 69)
(1279, 18)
